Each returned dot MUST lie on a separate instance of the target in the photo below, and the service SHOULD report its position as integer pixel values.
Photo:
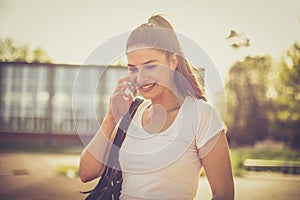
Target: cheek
(165, 76)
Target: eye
(150, 66)
(133, 69)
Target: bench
(287, 167)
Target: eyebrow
(145, 63)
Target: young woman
(174, 132)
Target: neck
(169, 102)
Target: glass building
(55, 100)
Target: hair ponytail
(160, 21)
(158, 33)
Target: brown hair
(158, 33)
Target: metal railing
(39, 98)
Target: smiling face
(151, 71)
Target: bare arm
(218, 170)
(95, 154)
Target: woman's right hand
(120, 100)
(94, 155)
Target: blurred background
(44, 45)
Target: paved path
(31, 176)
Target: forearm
(227, 195)
(218, 170)
(101, 141)
(95, 154)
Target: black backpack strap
(124, 124)
(113, 160)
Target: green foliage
(263, 99)
(247, 105)
(238, 40)
(12, 52)
(288, 102)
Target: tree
(238, 40)
(12, 52)
(248, 107)
(288, 101)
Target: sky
(70, 30)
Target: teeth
(147, 86)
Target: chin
(148, 96)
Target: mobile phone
(133, 92)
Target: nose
(141, 76)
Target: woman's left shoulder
(199, 105)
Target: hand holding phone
(131, 93)
(122, 97)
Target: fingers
(124, 89)
(121, 98)
(124, 85)
(121, 93)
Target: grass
(70, 171)
(59, 149)
(238, 155)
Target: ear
(173, 61)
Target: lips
(147, 87)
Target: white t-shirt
(167, 165)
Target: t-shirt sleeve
(209, 128)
